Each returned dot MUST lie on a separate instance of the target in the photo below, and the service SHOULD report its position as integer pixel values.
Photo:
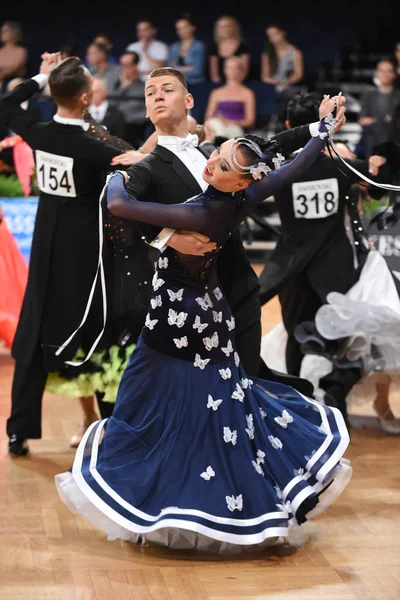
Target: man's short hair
(303, 109)
(171, 72)
(101, 47)
(133, 55)
(68, 81)
(386, 59)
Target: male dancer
(172, 173)
(313, 256)
(65, 250)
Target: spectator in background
(152, 53)
(13, 57)
(378, 107)
(105, 41)
(232, 107)
(100, 66)
(188, 55)
(228, 43)
(128, 97)
(101, 111)
(281, 63)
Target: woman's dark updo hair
(269, 149)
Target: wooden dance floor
(46, 553)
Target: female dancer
(196, 454)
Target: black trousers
(26, 398)
(299, 303)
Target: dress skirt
(196, 456)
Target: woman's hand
(329, 104)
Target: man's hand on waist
(191, 242)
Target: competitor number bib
(315, 199)
(55, 175)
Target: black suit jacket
(163, 177)
(65, 244)
(114, 121)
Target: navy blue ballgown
(196, 454)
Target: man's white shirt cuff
(41, 80)
(160, 242)
(314, 127)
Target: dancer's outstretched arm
(291, 172)
(177, 216)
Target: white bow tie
(192, 141)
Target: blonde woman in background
(228, 43)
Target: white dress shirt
(99, 112)
(67, 121)
(193, 159)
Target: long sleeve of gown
(289, 173)
(176, 216)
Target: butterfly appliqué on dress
(205, 302)
(177, 319)
(250, 426)
(284, 420)
(208, 473)
(199, 325)
(237, 359)
(229, 348)
(257, 467)
(275, 442)
(212, 342)
(213, 404)
(260, 461)
(230, 436)
(163, 263)
(298, 472)
(262, 412)
(157, 301)
(238, 394)
(175, 295)
(181, 342)
(200, 362)
(285, 507)
(246, 383)
(225, 373)
(231, 324)
(150, 323)
(157, 282)
(234, 503)
(217, 316)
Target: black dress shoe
(18, 446)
